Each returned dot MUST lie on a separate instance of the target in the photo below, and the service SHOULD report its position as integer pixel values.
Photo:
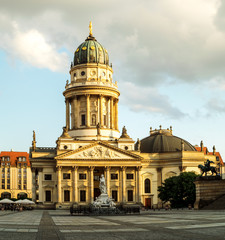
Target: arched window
(147, 186)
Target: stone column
(88, 110)
(67, 114)
(124, 194)
(91, 184)
(108, 113)
(33, 184)
(59, 186)
(108, 180)
(76, 114)
(73, 184)
(111, 113)
(101, 112)
(40, 178)
(116, 114)
(76, 184)
(138, 184)
(159, 183)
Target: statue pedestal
(104, 201)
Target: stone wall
(207, 191)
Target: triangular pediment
(99, 150)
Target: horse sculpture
(207, 168)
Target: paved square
(175, 224)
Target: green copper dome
(91, 51)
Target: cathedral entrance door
(97, 174)
(96, 192)
(148, 203)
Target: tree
(179, 190)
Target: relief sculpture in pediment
(99, 152)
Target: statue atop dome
(90, 29)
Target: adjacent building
(15, 175)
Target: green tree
(179, 190)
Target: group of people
(15, 207)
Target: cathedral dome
(162, 140)
(91, 51)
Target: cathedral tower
(91, 95)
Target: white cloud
(32, 47)
(147, 99)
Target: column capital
(123, 168)
(107, 167)
(59, 168)
(159, 169)
(33, 169)
(75, 168)
(91, 168)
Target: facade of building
(15, 175)
(91, 144)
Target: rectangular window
(114, 195)
(24, 186)
(8, 186)
(66, 175)
(48, 196)
(8, 181)
(82, 196)
(114, 176)
(19, 187)
(66, 195)
(82, 176)
(48, 176)
(83, 122)
(130, 176)
(105, 120)
(3, 186)
(130, 195)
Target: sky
(168, 59)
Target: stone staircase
(218, 204)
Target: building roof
(91, 51)
(14, 157)
(206, 152)
(162, 140)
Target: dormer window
(6, 159)
(22, 159)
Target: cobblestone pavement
(175, 224)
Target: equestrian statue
(206, 168)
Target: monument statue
(206, 168)
(98, 129)
(102, 185)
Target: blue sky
(168, 59)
